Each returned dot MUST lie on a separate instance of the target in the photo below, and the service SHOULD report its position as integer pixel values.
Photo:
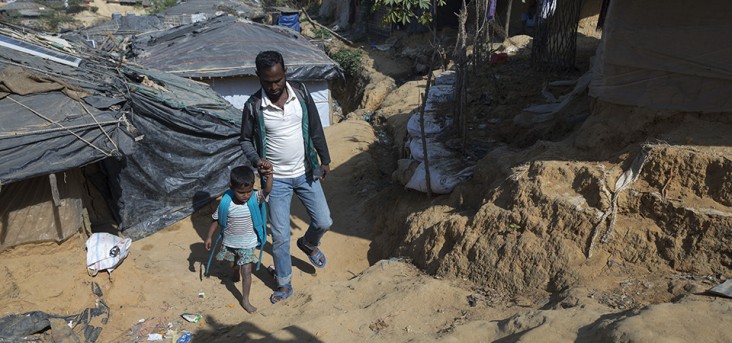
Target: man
(281, 124)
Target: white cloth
(239, 231)
(284, 141)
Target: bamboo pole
(424, 139)
(508, 17)
(326, 28)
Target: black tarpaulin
(225, 46)
(46, 126)
(166, 143)
(189, 145)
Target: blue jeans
(310, 193)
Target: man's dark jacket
(253, 134)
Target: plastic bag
(105, 251)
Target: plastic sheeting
(185, 137)
(186, 140)
(290, 20)
(237, 90)
(190, 144)
(225, 47)
(665, 55)
(54, 117)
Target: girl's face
(243, 193)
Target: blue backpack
(259, 219)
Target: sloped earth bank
(505, 255)
(631, 208)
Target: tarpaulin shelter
(165, 143)
(221, 52)
(190, 145)
(58, 111)
(666, 55)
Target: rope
(17, 134)
(60, 125)
(623, 182)
(100, 126)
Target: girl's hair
(242, 176)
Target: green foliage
(94, 9)
(158, 6)
(349, 60)
(403, 11)
(321, 33)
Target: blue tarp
(290, 20)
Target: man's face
(272, 81)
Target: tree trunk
(555, 40)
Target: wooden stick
(326, 28)
(508, 17)
(424, 139)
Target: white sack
(432, 124)
(444, 176)
(435, 150)
(105, 251)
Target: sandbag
(435, 150)
(432, 124)
(444, 176)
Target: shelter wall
(28, 212)
(237, 91)
(663, 55)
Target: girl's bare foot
(248, 307)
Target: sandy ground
(370, 292)
(352, 299)
(105, 11)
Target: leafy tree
(403, 11)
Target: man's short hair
(268, 59)
(242, 176)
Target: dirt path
(473, 234)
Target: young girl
(242, 220)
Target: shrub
(321, 33)
(349, 60)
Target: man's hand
(208, 244)
(264, 167)
(324, 170)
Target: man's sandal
(318, 259)
(278, 295)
